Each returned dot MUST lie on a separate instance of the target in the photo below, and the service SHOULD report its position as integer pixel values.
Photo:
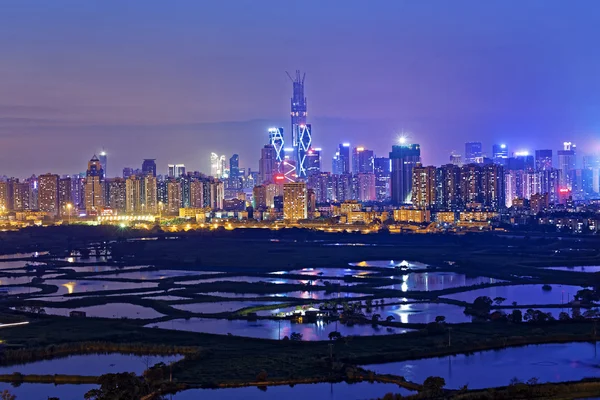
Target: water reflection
(429, 281)
(522, 294)
(548, 363)
(273, 329)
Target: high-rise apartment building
(48, 194)
(448, 188)
(383, 169)
(470, 185)
(150, 204)
(116, 189)
(234, 172)
(65, 199)
(424, 186)
(404, 157)
(295, 205)
(492, 186)
(173, 196)
(94, 178)
(197, 194)
(365, 187)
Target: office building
(456, 159)
(94, 195)
(566, 164)
(276, 140)
(104, 164)
(48, 194)
(403, 157)
(235, 178)
(268, 165)
(149, 167)
(499, 153)
(543, 160)
(295, 205)
(313, 161)
(473, 153)
(362, 160)
(344, 157)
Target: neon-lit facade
(277, 141)
(301, 131)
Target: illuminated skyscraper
(499, 153)
(448, 187)
(470, 184)
(404, 157)
(65, 205)
(543, 160)
(277, 141)
(362, 160)
(133, 194)
(48, 194)
(173, 196)
(234, 172)
(103, 163)
(294, 201)
(301, 131)
(313, 162)
(492, 186)
(116, 189)
(566, 164)
(473, 153)
(344, 156)
(383, 170)
(94, 178)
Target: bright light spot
(502, 146)
(402, 139)
(70, 286)
(121, 225)
(521, 153)
(346, 144)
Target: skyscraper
(492, 185)
(362, 160)
(473, 153)
(295, 205)
(48, 193)
(344, 157)
(94, 178)
(543, 160)
(566, 164)
(499, 153)
(313, 162)
(103, 162)
(267, 164)
(404, 157)
(301, 131)
(116, 189)
(365, 187)
(65, 204)
(382, 170)
(448, 187)
(149, 167)
(470, 184)
(234, 172)
(277, 141)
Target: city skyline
(83, 83)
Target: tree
(564, 316)
(6, 395)
(516, 316)
(375, 318)
(390, 318)
(499, 300)
(434, 385)
(296, 337)
(335, 335)
(483, 304)
(440, 319)
(123, 385)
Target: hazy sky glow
(177, 80)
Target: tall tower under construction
(301, 131)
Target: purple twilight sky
(178, 80)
